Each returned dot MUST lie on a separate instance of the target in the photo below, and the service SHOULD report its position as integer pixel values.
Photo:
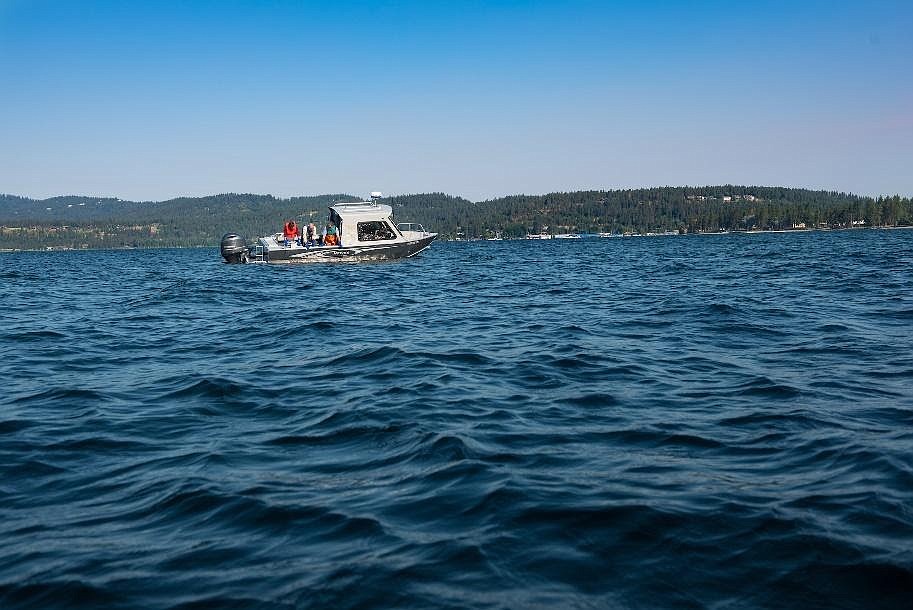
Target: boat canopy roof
(362, 209)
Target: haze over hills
(93, 222)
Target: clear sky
(150, 100)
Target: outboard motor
(234, 248)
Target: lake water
(699, 421)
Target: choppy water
(720, 421)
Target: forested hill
(88, 222)
(684, 209)
(93, 222)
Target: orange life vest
(330, 240)
(290, 231)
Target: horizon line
(491, 198)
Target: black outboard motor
(234, 249)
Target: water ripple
(676, 422)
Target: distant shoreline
(588, 236)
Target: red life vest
(290, 230)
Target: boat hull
(325, 254)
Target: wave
(58, 594)
(35, 336)
(65, 396)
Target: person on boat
(310, 234)
(330, 237)
(290, 232)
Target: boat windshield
(411, 226)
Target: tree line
(92, 222)
(661, 209)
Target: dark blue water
(720, 421)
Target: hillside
(92, 222)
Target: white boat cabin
(364, 223)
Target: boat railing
(343, 204)
(411, 226)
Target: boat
(538, 236)
(567, 236)
(366, 233)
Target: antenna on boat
(375, 195)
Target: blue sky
(150, 100)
